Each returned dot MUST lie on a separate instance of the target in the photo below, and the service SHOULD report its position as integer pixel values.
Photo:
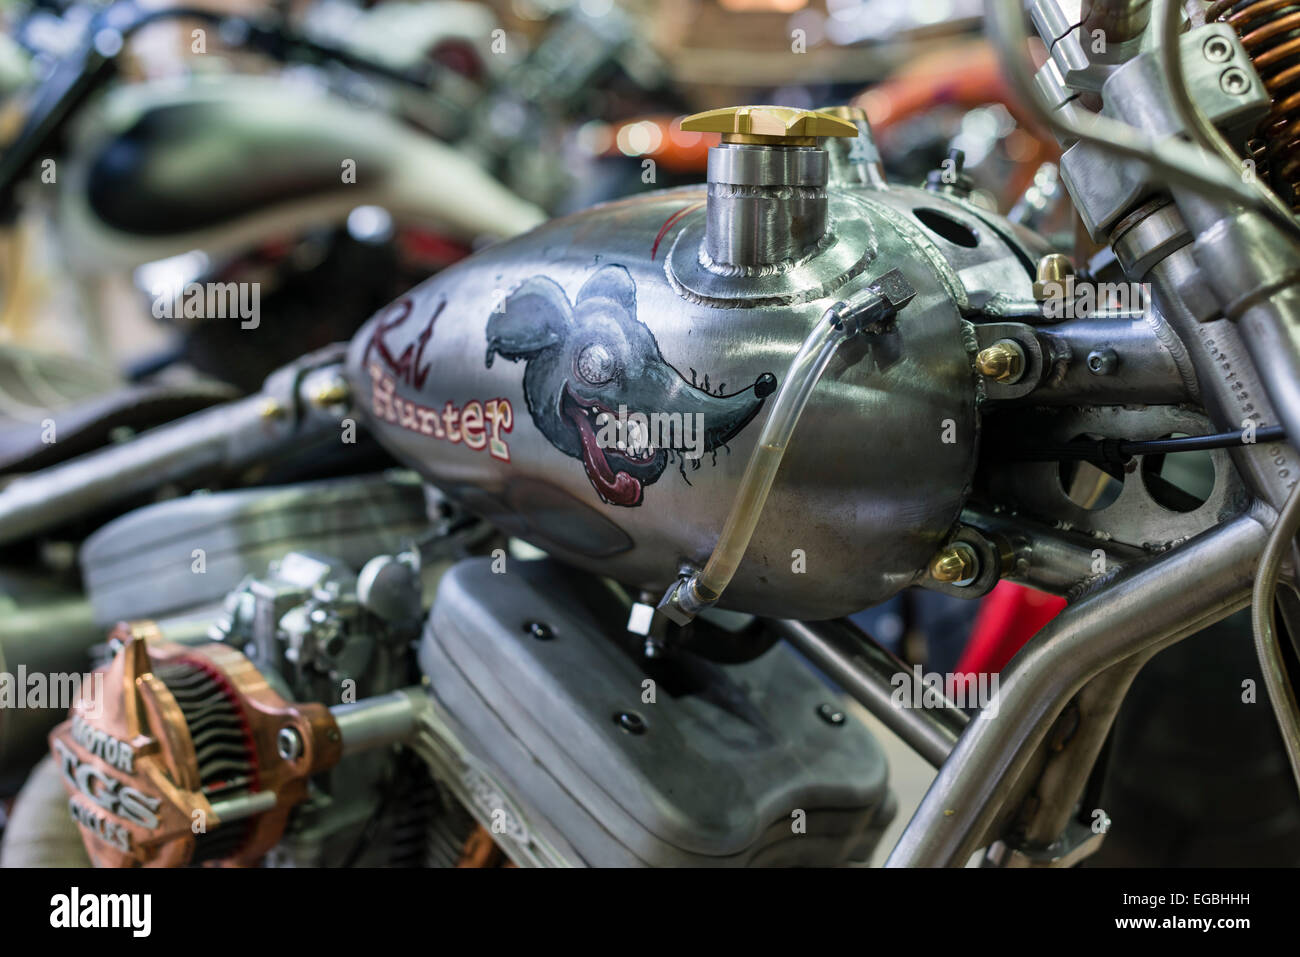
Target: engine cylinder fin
(222, 749)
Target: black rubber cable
(1117, 451)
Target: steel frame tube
(230, 435)
(1156, 248)
(379, 721)
(1045, 558)
(866, 671)
(1065, 773)
(1148, 607)
(61, 492)
(1120, 20)
(1147, 372)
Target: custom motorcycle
(533, 568)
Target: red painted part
(459, 56)
(1009, 616)
(668, 225)
(426, 246)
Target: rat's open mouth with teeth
(617, 474)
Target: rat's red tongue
(615, 488)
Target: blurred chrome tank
(492, 378)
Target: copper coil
(1270, 34)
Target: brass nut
(334, 392)
(768, 125)
(955, 564)
(1004, 361)
(1053, 271)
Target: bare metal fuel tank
(597, 386)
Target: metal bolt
(831, 715)
(539, 630)
(1234, 81)
(333, 392)
(630, 721)
(955, 564)
(1102, 361)
(288, 743)
(1217, 49)
(1004, 361)
(1050, 281)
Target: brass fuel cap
(767, 186)
(769, 125)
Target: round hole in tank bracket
(1179, 483)
(945, 226)
(1088, 486)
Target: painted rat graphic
(587, 359)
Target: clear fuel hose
(839, 323)
(800, 380)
